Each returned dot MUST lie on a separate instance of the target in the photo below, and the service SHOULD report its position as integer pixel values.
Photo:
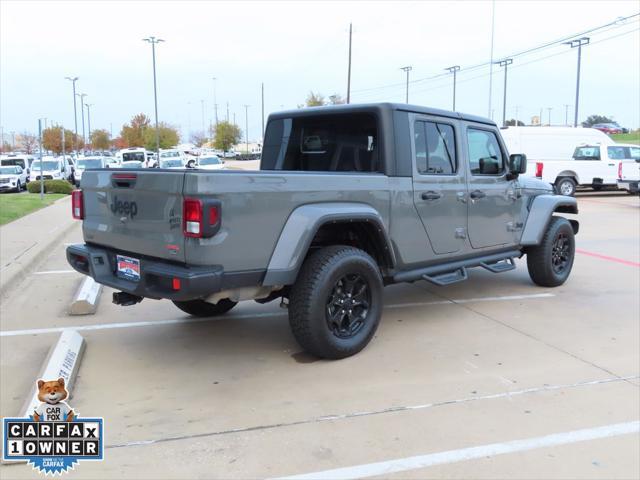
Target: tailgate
(135, 211)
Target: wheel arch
(568, 173)
(324, 224)
(541, 210)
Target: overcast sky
(295, 47)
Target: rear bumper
(631, 186)
(156, 276)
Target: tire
(200, 308)
(550, 262)
(336, 303)
(566, 186)
(18, 187)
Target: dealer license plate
(128, 268)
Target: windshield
(209, 161)
(13, 161)
(94, 163)
(8, 171)
(49, 165)
(587, 153)
(171, 163)
(172, 154)
(127, 156)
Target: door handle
(431, 195)
(476, 194)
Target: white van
(22, 160)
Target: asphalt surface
(477, 364)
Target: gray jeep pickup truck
(348, 199)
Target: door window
(435, 148)
(634, 153)
(485, 156)
(587, 153)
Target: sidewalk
(24, 241)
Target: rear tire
(19, 187)
(566, 186)
(336, 302)
(200, 308)
(550, 262)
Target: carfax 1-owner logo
(53, 439)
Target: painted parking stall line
(454, 456)
(54, 272)
(109, 326)
(608, 258)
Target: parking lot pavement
(484, 362)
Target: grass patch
(16, 205)
(632, 137)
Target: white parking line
(48, 272)
(453, 456)
(108, 326)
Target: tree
(227, 134)
(512, 122)
(133, 133)
(593, 119)
(169, 136)
(6, 147)
(315, 100)
(100, 139)
(52, 140)
(198, 139)
(28, 141)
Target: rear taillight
(539, 167)
(620, 170)
(192, 218)
(77, 204)
(200, 218)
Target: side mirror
(517, 163)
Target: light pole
(549, 117)
(75, 112)
(89, 105)
(566, 114)
(453, 70)
(40, 155)
(349, 66)
(215, 100)
(517, 108)
(204, 132)
(153, 41)
(505, 63)
(13, 141)
(246, 124)
(82, 95)
(407, 69)
(578, 43)
(262, 101)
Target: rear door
(135, 211)
(439, 188)
(494, 201)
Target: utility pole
(215, 101)
(540, 116)
(504, 63)
(228, 112)
(84, 137)
(517, 108)
(549, 109)
(578, 43)
(246, 123)
(153, 41)
(453, 70)
(349, 66)
(566, 114)
(13, 141)
(493, 24)
(263, 111)
(89, 105)
(407, 69)
(40, 155)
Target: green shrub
(51, 186)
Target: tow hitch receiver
(125, 299)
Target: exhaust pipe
(125, 299)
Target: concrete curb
(85, 301)
(22, 265)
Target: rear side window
(435, 148)
(327, 143)
(485, 156)
(586, 153)
(634, 153)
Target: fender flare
(302, 226)
(540, 212)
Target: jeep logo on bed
(120, 207)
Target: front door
(439, 189)
(494, 201)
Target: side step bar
(452, 272)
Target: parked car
(594, 166)
(172, 159)
(13, 177)
(629, 176)
(50, 168)
(85, 163)
(210, 162)
(608, 128)
(392, 193)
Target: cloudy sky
(295, 47)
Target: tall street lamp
(578, 43)
(82, 95)
(215, 100)
(153, 41)
(407, 69)
(89, 105)
(246, 124)
(505, 63)
(453, 70)
(75, 111)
